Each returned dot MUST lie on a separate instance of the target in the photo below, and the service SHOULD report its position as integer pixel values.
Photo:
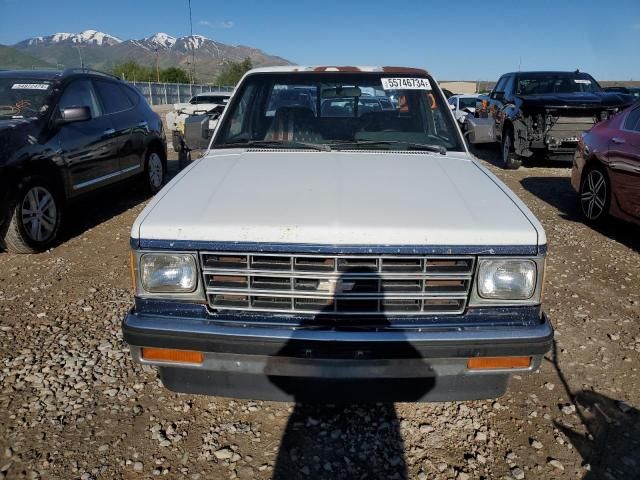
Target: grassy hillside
(10, 58)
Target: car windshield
(467, 102)
(339, 110)
(23, 97)
(208, 99)
(556, 83)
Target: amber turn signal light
(171, 355)
(496, 363)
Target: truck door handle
(108, 132)
(617, 140)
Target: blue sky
(454, 40)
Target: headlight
(168, 273)
(506, 279)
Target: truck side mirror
(196, 132)
(498, 96)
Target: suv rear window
(113, 97)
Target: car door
(86, 148)
(130, 126)
(624, 163)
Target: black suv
(62, 135)
(543, 114)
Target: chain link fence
(168, 93)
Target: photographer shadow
(611, 443)
(344, 424)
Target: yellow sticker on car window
(405, 83)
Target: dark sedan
(606, 168)
(62, 135)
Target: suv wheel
(594, 195)
(35, 215)
(509, 158)
(154, 171)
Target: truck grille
(350, 285)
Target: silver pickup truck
(338, 241)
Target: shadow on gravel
(491, 153)
(558, 192)
(98, 207)
(104, 204)
(327, 436)
(611, 444)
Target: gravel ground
(72, 405)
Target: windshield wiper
(408, 145)
(321, 147)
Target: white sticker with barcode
(583, 80)
(30, 86)
(405, 83)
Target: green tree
(174, 75)
(232, 72)
(132, 70)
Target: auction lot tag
(583, 80)
(30, 86)
(405, 83)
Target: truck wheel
(35, 216)
(509, 158)
(154, 172)
(595, 195)
(184, 158)
(176, 142)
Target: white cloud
(225, 24)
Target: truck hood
(589, 100)
(338, 198)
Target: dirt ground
(72, 404)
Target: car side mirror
(498, 95)
(74, 114)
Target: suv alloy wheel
(154, 172)
(35, 218)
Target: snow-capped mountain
(103, 51)
(161, 39)
(88, 37)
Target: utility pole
(193, 46)
(80, 54)
(157, 65)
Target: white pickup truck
(325, 248)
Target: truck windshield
(380, 111)
(556, 83)
(23, 97)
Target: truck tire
(176, 142)
(35, 214)
(595, 195)
(509, 158)
(184, 158)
